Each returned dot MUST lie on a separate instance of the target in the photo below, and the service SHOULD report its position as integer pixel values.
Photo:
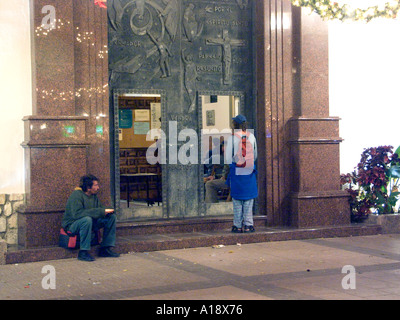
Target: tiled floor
(282, 270)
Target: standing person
(241, 152)
(84, 213)
(217, 174)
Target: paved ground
(285, 270)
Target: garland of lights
(330, 10)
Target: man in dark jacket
(84, 213)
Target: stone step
(177, 236)
(182, 225)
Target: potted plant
(374, 184)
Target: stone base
(390, 223)
(311, 209)
(39, 228)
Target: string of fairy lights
(87, 37)
(327, 9)
(83, 37)
(333, 10)
(71, 95)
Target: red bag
(68, 240)
(245, 154)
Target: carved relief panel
(180, 44)
(182, 47)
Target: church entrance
(184, 56)
(141, 154)
(184, 68)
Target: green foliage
(330, 10)
(374, 185)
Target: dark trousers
(86, 225)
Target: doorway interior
(140, 193)
(216, 110)
(138, 176)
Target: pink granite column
(274, 106)
(316, 198)
(67, 134)
(298, 140)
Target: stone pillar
(67, 135)
(316, 198)
(274, 33)
(299, 177)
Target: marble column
(298, 139)
(316, 198)
(67, 134)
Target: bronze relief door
(180, 51)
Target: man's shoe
(236, 229)
(84, 255)
(249, 229)
(107, 252)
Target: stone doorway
(183, 50)
(137, 172)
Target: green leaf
(394, 194)
(398, 151)
(380, 199)
(394, 172)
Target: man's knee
(210, 184)
(112, 218)
(86, 222)
(107, 222)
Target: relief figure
(115, 13)
(226, 43)
(164, 55)
(171, 15)
(243, 4)
(190, 77)
(191, 27)
(139, 10)
(142, 24)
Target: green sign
(99, 130)
(69, 131)
(125, 118)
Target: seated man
(217, 175)
(85, 213)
